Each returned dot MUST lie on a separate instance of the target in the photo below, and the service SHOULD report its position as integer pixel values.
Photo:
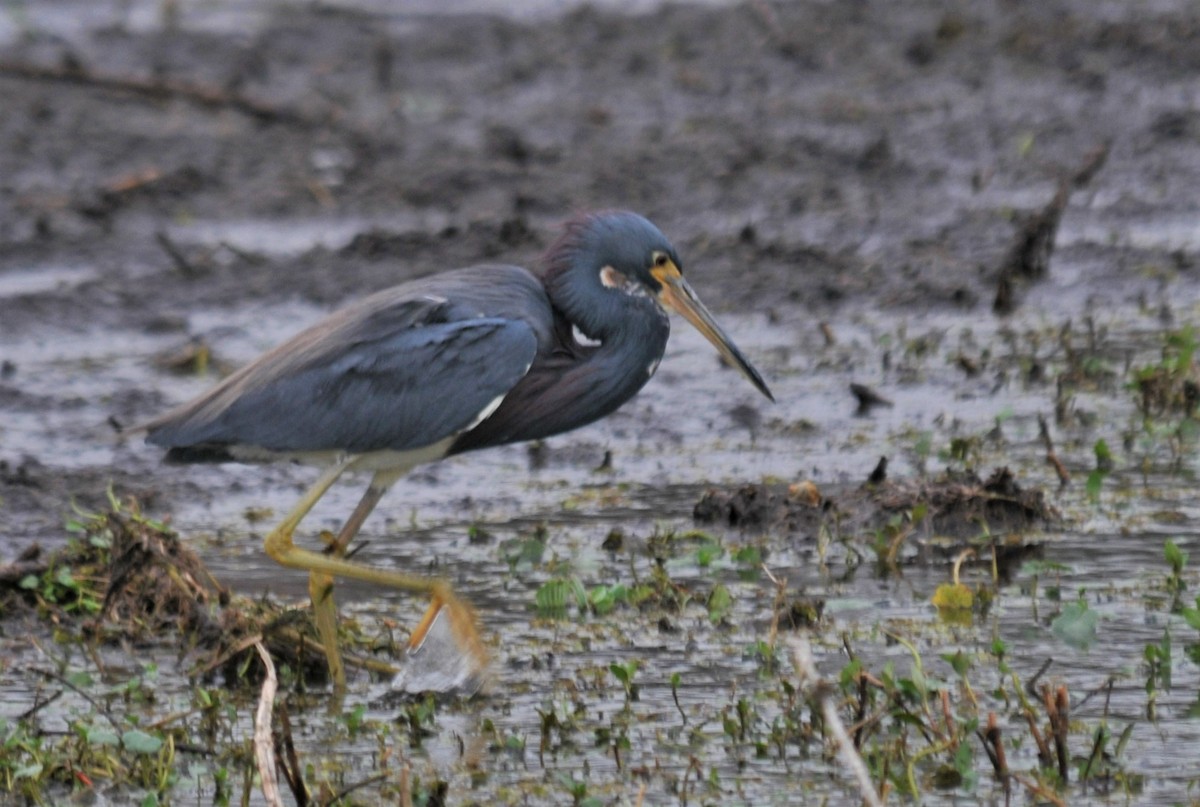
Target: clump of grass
(1169, 385)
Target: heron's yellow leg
(320, 585)
(281, 537)
(320, 591)
(279, 546)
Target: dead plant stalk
(820, 690)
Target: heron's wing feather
(384, 388)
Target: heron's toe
(446, 653)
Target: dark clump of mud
(957, 505)
(755, 506)
(960, 505)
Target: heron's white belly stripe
(401, 460)
(582, 338)
(485, 413)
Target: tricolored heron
(459, 361)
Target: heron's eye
(660, 260)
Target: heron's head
(629, 256)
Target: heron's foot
(464, 624)
(445, 651)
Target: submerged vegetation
(659, 664)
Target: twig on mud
(305, 644)
(264, 749)
(39, 705)
(778, 34)
(1064, 476)
(993, 744)
(1028, 258)
(777, 607)
(1106, 688)
(693, 765)
(159, 89)
(820, 691)
(252, 258)
(1039, 791)
(185, 266)
(112, 721)
(1057, 709)
(127, 183)
(244, 644)
(285, 750)
(1031, 684)
(346, 791)
(1092, 162)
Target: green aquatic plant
(1076, 624)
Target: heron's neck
(572, 386)
(632, 331)
(596, 311)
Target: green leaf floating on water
(1076, 625)
(720, 603)
(31, 771)
(139, 742)
(556, 595)
(102, 735)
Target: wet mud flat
(856, 189)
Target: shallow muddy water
(862, 167)
(664, 456)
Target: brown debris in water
(957, 505)
(759, 507)
(154, 581)
(130, 579)
(29, 562)
(960, 505)
(1028, 259)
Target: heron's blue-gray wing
(412, 383)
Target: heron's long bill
(678, 295)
